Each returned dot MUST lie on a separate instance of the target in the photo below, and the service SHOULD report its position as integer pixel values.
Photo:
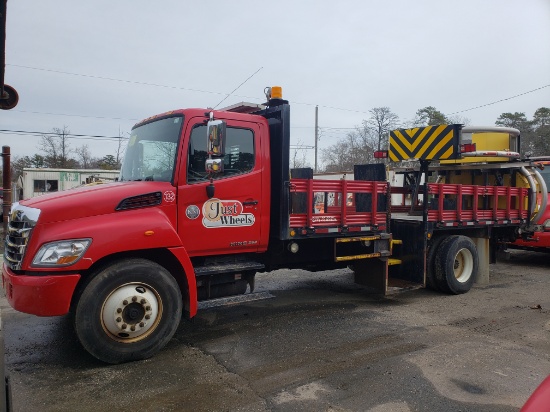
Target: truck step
(234, 300)
(228, 267)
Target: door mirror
(215, 131)
(215, 144)
(214, 165)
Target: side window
(44, 186)
(239, 154)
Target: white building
(37, 182)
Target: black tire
(431, 282)
(106, 311)
(456, 264)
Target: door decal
(225, 213)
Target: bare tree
(456, 119)
(358, 146)
(56, 148)
(121, 148)
(355, 148)
(381, 121)
(84, 156)
(336, 157)
(299, 158)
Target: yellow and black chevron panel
(426, 143)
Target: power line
(171, 87)
(236, 88)
(332, 107)
(338, 128)
(116, 80)
(68, 135)
(221, 93)
(501, 100)
(77, 115)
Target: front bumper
(39, 295)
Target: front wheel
(128, 311)
(456, 264)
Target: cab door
(229, 221)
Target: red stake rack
(341, 212)
(478, 204)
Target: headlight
(62, 253)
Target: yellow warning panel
(486, 141)
(425, 143)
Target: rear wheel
(456, 264)
(128, 311)
(431, 282)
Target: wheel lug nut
(147, 316)
(124, 302)
(133, 328)
(142, 301)
(119, 310)
(147, 307)
(124, 326)
(134, 299)
(118, 319)
(141, 324)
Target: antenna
(250, 77)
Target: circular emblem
(192, 212)
(169, 196)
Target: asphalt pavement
(320, 343)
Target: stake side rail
(337, 206)
(458, 204)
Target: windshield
(546, 175)
(151, 151)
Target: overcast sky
(99, 66)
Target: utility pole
(6, 206)
(316, 134)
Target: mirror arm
(210, 189)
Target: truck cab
(172, 148)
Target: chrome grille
(21, 221)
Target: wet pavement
(321, 343)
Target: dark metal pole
(6, 184)
(316, 134)
(8, 95)
(3, 8)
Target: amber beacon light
(276, 92)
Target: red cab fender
(191, 304)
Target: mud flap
(372, 273)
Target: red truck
(538, 241)
(206, 199)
